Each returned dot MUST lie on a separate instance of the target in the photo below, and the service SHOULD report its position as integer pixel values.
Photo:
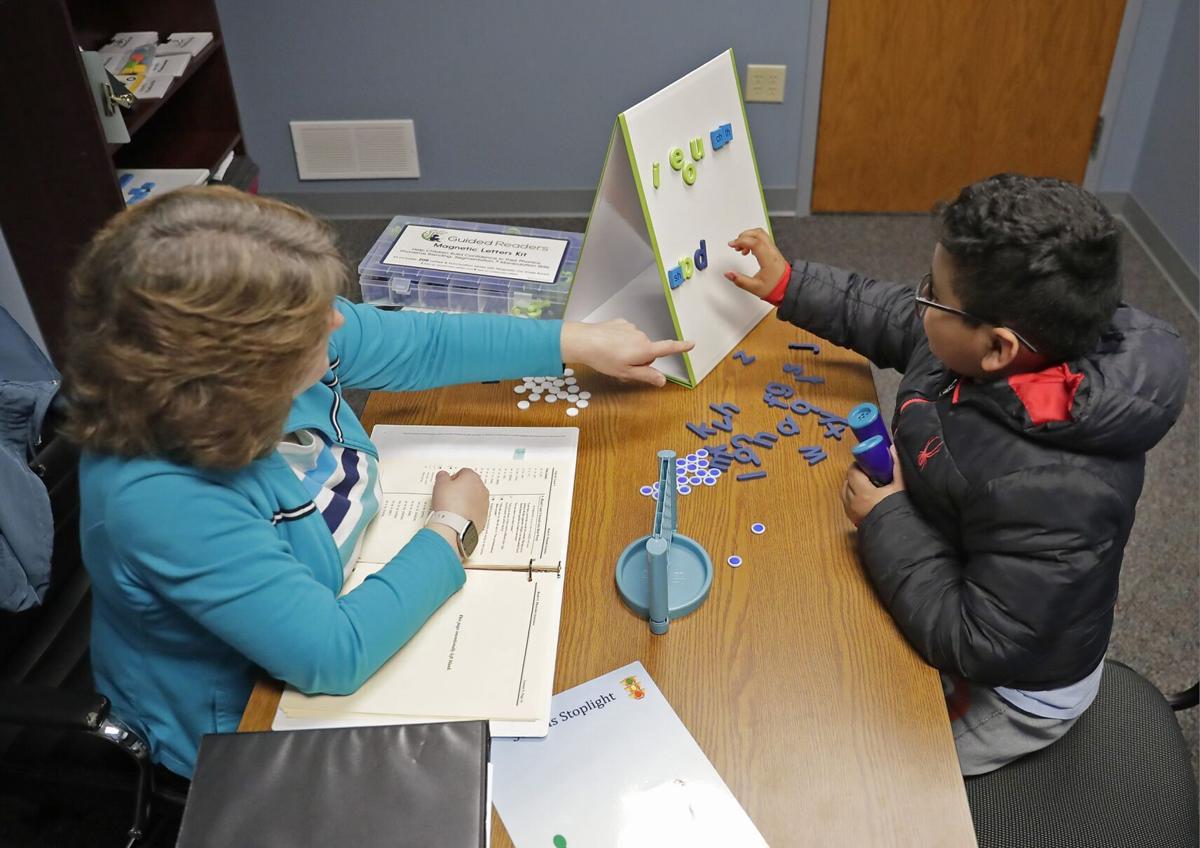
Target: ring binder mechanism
(530, 568)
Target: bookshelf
(57, 170)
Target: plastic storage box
(459, 266)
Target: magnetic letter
(688, 269)
(697, 148)
(788, 426)
(675, 277)
(701, 257)
(689, 173)
(655, 172)
(676, 158)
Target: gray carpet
(1156, 630)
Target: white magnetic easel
(680, 169)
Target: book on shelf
(147, 86)
(489, 651)
(125, 41)
(190, 43)
(139, 183)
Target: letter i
(654, 171)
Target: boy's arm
(877, 319)
(874, 318)
(409, 351)
(993, 615)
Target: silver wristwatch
(464, 530)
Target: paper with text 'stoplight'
(618, 769)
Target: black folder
(418, 785)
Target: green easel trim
(662, 271)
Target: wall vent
(355, 150)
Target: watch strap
(455, 522)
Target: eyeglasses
(924, 298)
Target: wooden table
(792, 678)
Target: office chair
(1121, 777)
(50, 715)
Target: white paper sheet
(618, 769)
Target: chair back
(47, 645)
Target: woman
(225, 484)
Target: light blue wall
(1167, 180)
(504, 95)
(1128, 125)
(523, 96)
(12, 296)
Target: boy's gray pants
(989, 732)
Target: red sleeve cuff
(776, 296)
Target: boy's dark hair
(1038, 254)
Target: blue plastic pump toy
(875, 459)
(664, 575)
(871, 453)
(866, 422)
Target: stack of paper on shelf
(489, 651)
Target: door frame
(810, 108)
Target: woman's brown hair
(193, 318)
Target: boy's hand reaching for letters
(771, 263)
(618, 349)
(860, 495)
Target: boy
(1030, 397)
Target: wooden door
(921, 97)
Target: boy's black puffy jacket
(1000, 562)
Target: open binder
(489, 651)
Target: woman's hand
(617, 348)
(771, 263)
(462, 493)
(860, 495)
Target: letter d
(701, 256)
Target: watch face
(470, 538)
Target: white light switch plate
(764, 83)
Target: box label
(534, 259)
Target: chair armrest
(1186, 699)
(45, 706)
